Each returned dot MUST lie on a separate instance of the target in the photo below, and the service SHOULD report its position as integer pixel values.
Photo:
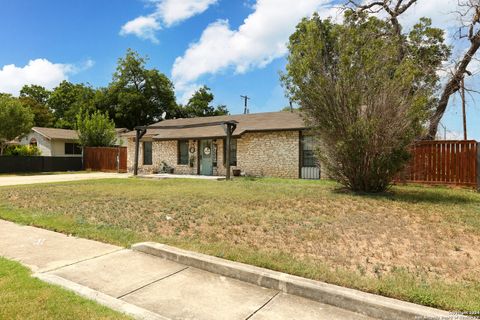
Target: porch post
(229, 128)
(227, 152)
(140, 132)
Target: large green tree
(95, 130)
(364, 103)
(199, 105)
(36, 98)
(137, 95)
(16, 120)
(67, 100)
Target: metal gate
(309, 166)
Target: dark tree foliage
(199, 105)
(137, 95)
(67, 100)
(36, 98)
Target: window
(72, 148)
(308, 155)
(33, 142)
(233, 152)
(182, 152)
(147, 153)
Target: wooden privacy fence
(443, 162)
(112, 159)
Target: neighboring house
(271, 144)
(54, 142)
(59, 142)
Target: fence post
(478, 166)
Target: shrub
(24, 150)
(364, 105)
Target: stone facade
(269, 154)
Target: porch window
(233, 152)
(308, 155)
(182, 152)
(147, 153)
(72, 148)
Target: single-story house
(274, 144)
(60, 142)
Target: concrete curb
(361, 302)
(101, 298)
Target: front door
(206, 157)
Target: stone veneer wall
(270, 154)
(162, 151)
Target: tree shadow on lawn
(420, 194)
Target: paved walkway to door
(12, 180)
(161, 289)
(181, 176)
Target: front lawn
(24, 297)
(419, 244)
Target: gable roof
(56, 134)
(255, 122)
(121, 130)
(65, 134)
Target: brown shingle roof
(269, 121)
(65, 134)
(54, 133)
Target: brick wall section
(269, 154)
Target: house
(274, 144)
(54, 142)
(60, 142)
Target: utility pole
(246, 98)
(462, 93)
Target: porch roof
(269, 121)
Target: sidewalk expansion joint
(263, 305)
(79, 261)
(150, 283)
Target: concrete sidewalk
(148, 286)
(12, 180)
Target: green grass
(414, 243)
(25, 297)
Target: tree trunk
(453, 85)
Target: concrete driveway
(12, 180)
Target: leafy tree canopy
(199, 105)
(67, 100)
(95, 130)
(137, 95)
(16, 120)
(36, 98)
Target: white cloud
(174, 11)
(142, 27)
(260, 39)
(167, 13)
(40, 72)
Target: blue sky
(234, 46)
